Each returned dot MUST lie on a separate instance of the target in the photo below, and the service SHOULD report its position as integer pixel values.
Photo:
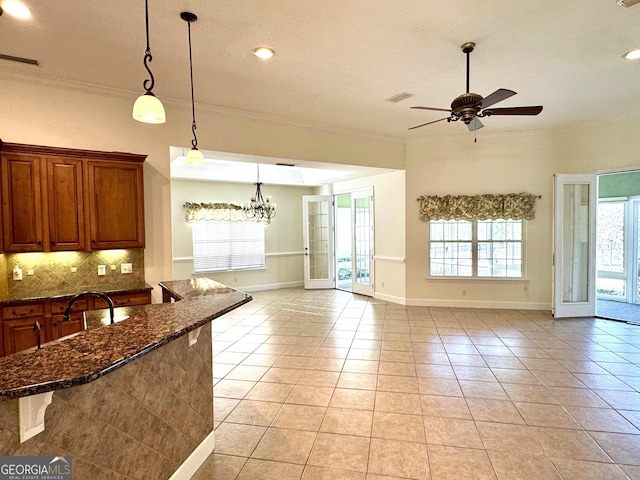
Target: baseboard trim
(194, 461)
(271, 286)
(390, 298)
(491, 304)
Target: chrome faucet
(67, 309)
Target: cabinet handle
(52, 242)
(37, 328)
(22, 314)
(39, 242)
(93, 241)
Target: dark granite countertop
(71, 291)
(85, 356)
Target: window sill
(210, 272)
(478, 279)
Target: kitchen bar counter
(88, 355)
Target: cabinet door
(22, 203)
(116, 205)
(21, 334)
(65, 200)
(60, 328)
(124, 300)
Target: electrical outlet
(126, 268)
(102, 270)
(17, 274)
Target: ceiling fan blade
(513, 111)
(432, 108)
(475, 124)
(497, 96)
(429, 123)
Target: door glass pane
(362, 230)
(575, 243)
(637, 259)
(318, 235)
(344, 236)
(610, 257)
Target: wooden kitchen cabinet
(22, 214)
(125, 299)
(116, 205)
(59, 199)
(65, 199)
(18, 319)
(19, 326)
(61, 328)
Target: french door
(362, 251)
(619, 250)
(574, 255)
(317, 221)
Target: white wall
(495, 164)
(46, 112)
(283, 237)
(43, 112)
(389, 231)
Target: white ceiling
(338, 60)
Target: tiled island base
(141, 421)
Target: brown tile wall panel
(139, 422)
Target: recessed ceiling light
(16, 9)
(264, 52)
(632, 55)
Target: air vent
(627, 3)
(403, 96)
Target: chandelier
(260, 207)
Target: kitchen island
(128, 400)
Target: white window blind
(219, 246)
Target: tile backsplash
(47, 271)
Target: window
(220, 246)
(481, 248)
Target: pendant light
(194, 157)
(260, 208)
(148, 109)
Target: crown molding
(73, 85)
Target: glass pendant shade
(148, 109)
(195, 158)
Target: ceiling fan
(470, 107)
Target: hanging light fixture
(194, 157)
(147, 108)
(260, 207)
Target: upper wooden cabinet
(116, 209)
(22, 204)
(65, 202)
(57, 199)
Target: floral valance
(515, 206)
(213, 212)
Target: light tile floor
(320, 385)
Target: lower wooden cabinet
(24, 323)
(22, 334)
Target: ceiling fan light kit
(470, 107)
